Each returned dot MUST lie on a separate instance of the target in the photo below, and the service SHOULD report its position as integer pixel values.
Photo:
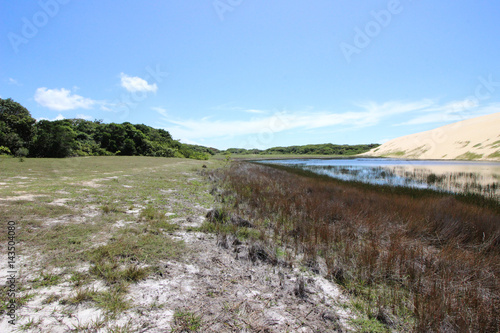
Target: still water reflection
(453, 176)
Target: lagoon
(450, 176)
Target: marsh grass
(413, 260)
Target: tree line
(21, 135)
(318, 149)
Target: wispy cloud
(277, 122)
(450, 112)
(256, 111)
(14, 82)
(137, 84)
(61, 99)
(365, 114)
(160, 110)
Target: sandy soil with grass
(126, 253)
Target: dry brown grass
(427, 263)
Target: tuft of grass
(51, 298)
(369, 325)
(112, 273)
(82, 295)
(93, 326)
(46, 280)
(31, 324)
(111, 207)
(152, 213)
(185, 321)
(113, 301)
(247, 233)
(79, 279)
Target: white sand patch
(62, 192)
(51, 316)
(135, 211)
(94, 182)
(25, 197)
(91, 183)
(121, 223)
(190, 237)
(60, 202)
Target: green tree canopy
(16, 125)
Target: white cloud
(59, 117)
(83, 116)
(61, 99)
(135, 84)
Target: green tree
(16, 125)
(53, 139)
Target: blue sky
(255, 74)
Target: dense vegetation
(22, 135)
(426, 262)
(319, 149)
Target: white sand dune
(471, 139)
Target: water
(451, 176)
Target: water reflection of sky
(455, 176)
(367, 174)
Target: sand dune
(471, 139)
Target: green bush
(22, 152)
(5, 151)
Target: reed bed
(424, 263)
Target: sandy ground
(479, 136)
(219, 281)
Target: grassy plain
(82, 221)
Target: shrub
(22, 152)
(5, 151)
